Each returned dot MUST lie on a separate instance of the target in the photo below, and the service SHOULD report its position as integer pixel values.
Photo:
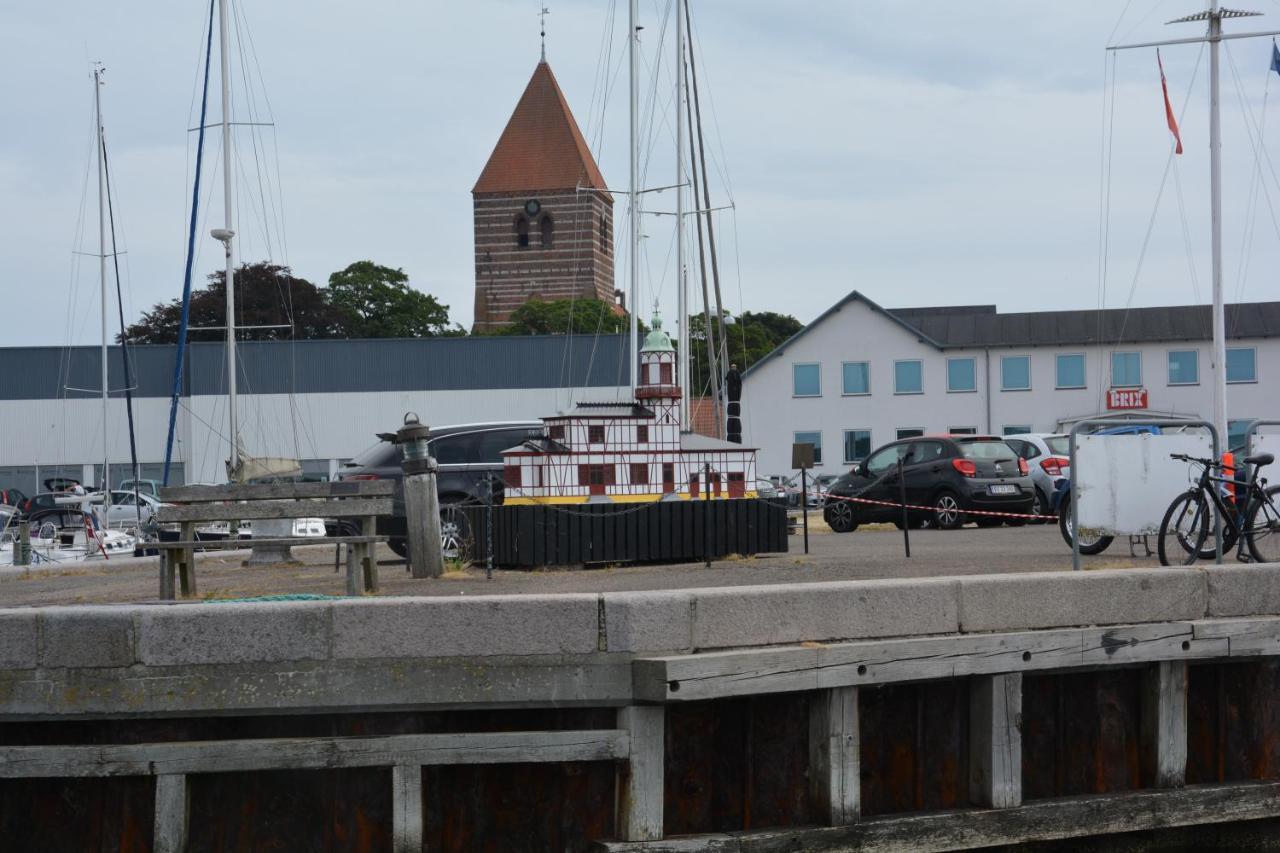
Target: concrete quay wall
(525, 651)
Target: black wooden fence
(661, 532)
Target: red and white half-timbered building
(629, 452)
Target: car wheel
(455, 533)
(946, 511)
(1040, 506)
(839, 516)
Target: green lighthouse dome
(657, 340)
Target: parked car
(12, 497)
(144, 487)
(46, 500)
(950, 473)
(465, 454)
(1049, 460)
(126, 510)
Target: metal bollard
(421, 503)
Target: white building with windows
(860, 375)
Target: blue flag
(1275, 57)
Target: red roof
(541, 147)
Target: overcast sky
(924, 153)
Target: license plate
(1002, 489)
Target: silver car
(1048, 458)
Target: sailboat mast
(102, 274)
(1215, 178)
(633, 305)
(227, 235)
(682, 282)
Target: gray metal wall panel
(426, 364)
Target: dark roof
(541, 147)
(957, 326)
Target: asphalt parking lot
(867, 553)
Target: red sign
(1126, 398)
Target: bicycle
(1252, 518)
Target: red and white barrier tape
(930, 509)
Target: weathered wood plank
(1045, 820)
(1145, 643)
(406, 808)
(1164, 723)
(278, 491)
(274, 509)
(995, 740)
(687, 678)
(239, 544)
(312, 753)
(1245, 637)
(640, 780)
(172, 806)
(834, 755)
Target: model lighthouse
(629, 451)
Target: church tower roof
(541, 147)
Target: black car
(950, 473)
(466, 454)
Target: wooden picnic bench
(190, 506)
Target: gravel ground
(865, 554)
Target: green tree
(379, 303)
(565, 316)
(267, 294)
(751, 337)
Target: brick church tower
(543, 215)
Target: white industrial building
(318, 401)
(860, 375)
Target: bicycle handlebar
(1182, 457)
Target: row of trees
(367, 300)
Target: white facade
(776, 407)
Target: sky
(926, 154)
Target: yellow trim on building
(617, 499)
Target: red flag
(1168, 107)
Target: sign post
(802, 458)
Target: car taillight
(1022, 467)
(1054, 464)
(965, 467)
(361, 477)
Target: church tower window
(548, 231)
(522, 232)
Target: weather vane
(542, 26)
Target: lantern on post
(421, 504)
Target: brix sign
(1126, 398)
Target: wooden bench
(191, 506)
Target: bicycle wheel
(1184, 530)
(1262, 528)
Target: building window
(857, 445)
(1126, 370)
(556, 432)
(856, 377)
(604, 235)
(639, 474)
(910, 432)
(814, 438)
(1184, 367)
(1015, 373)
(963, 430)
(511, 476)
(806, 380)
(961, 375)
(668, 477)
(1242, 364)
(1017, 429)
(664, 374)
(548, 229)
(595, 435)
(522, 232)
(1237, 437)
(908, 377)
(1071, 371)
(642, 433)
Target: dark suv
(465, 454)
(950, 473)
